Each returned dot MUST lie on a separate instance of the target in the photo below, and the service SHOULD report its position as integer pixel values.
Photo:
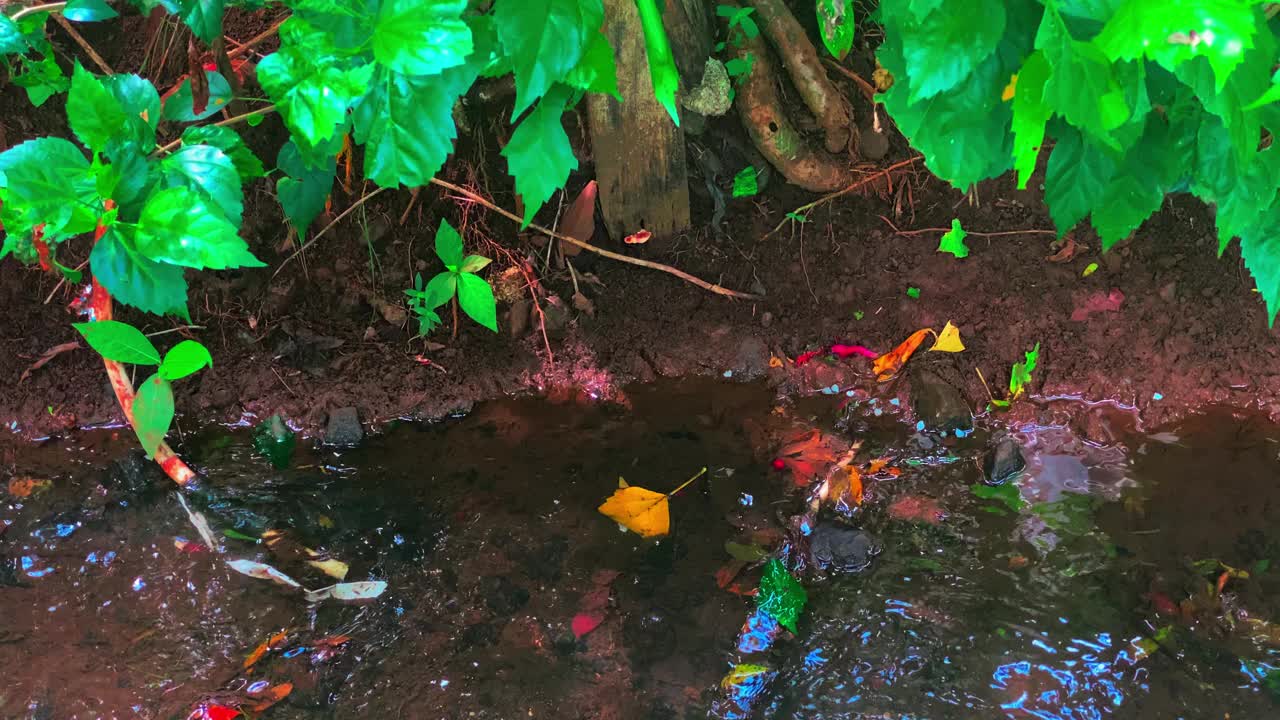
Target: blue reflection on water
(759, 633)
(1087, 683)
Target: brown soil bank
(1189, 330)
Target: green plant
(1139, 99)
(153, 407)
(740, 26)
(457, 282)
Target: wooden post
(639, 152)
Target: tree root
(800, 60)
(766, 121)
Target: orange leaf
(888, 364)
(642, 511)
(579, 220)
(877, 465)
(845, 488)
(272, 696)
(23, 486)
(805, 455)
(267, 645)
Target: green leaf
(207, 171)
(48, 180)
(1260, 248)
(141, 105)
(129, 178)
(1020, 375)
(185, 358)
(539, 155)
(93, 112)
(119, 341)
(913, 293)
(181, 105)
(544, 39)
(745, 553)
(42, 79)
(953, 241)
(440, 290)
(302, 190)
(407, 123)
(204, 17)
(1172, 32)
(153, 412)
(274, 441)
(225, 139)
(1138, 188)
(421, 37)
(945, 47)
(136, 281)
(598, 70)
(1076, 179)
(312, 92)
(1080, 70)
(473, 264)
(1030, 114)
(476, 298)
(449, 245)
(662, 65)
(88, 11)
(745, 182)
(1007, 494)
(836, 25)
(179, 227)
(11, 40)
(781, 597)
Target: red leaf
(584, 623)
(213, 712)
(639, 237)
(579, 220)
(803, 358)
(917, 508)
(1098, 303)
(844, 351)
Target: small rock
(343, 428)
(1004, 462)
(936, 401)
(1169, 292)
(766, 319)
(752, 357)
(874, 145)
(843, 549)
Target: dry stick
(832, 196)
(249, 44)
(867, 88)
(363, 199)
(62, 281)
(974, 233)
(35, 9)
(712, 287)
(84, 45)
(170, 147)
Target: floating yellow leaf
(888, 364)
(948, 340)
(335, 569)
(642, 511)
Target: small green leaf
(153, 412)
(744, 183)
(913, 292)
(42, 79)
(1089, 269)
(476, 298)
(448, 245)
(473, 263)
(1020, 375)
(1008, 494)
(953, 241)
(183, 359)
(597, 71)
(440, 289)
(858, 315)
(119, 341)
(421, 37)
(254, 120)
(781, 597)
(746, 553)
(88, 11)
(797, 217)
(303, 190)
(662, 66)
(836, 25)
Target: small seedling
(457, 282)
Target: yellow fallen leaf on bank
(642, 511)
(888, 364)
(948, 340)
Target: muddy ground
(1181, 329)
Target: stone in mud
(751, 359)
(1004, 461)
(503, 596)
(343, 428)
(842, 549)
(935, 395)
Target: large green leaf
(836, 24)
(140, 102)
(1246, 83)
(204, 17)
(312, 92)
(1172, 32)
(1076, 179)
(94, 113)
(1138, 187)
(119, 341)
(781, 596)
(225, 139)
(178, 226)
(449, 245)
(407, 123)
(1260, 247)
(597, 71)
(88, 11)
(1030, 114)
(545, 39)
(421, 37)
(302, 189)
(944, 47)
(662, 65)
(11, 40)
(183, 359)
(153, 412)
(48, 180)
(539, 155)
(134, 280)
(210, 173)
(180, 106)
(476, 299)
(1080, 85)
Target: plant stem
(170, 147)
(686, 483)
(974, 233)
(860, 183)
(35, 9)
(363, 199)
(712, 287)
(454, 336)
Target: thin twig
(247, 45)
(180, 328)
(265, 110)
(974, 233)
(861, 183)
(867, 88)
(35, 9)
(363, 199)
(84, 45)
(712, 287)
(62, 281)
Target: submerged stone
(344, 428)
(1004, 461)
(935, 399)
(842, 549)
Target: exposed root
(886, 173)
(800, 60)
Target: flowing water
(1125, 578)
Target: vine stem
(974, 233)
(711, 287)
(32, 10)
(170, 147)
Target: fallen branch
(712, 287)
(848, 189)
(247, 45)
(973, 233)
(84, 44)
